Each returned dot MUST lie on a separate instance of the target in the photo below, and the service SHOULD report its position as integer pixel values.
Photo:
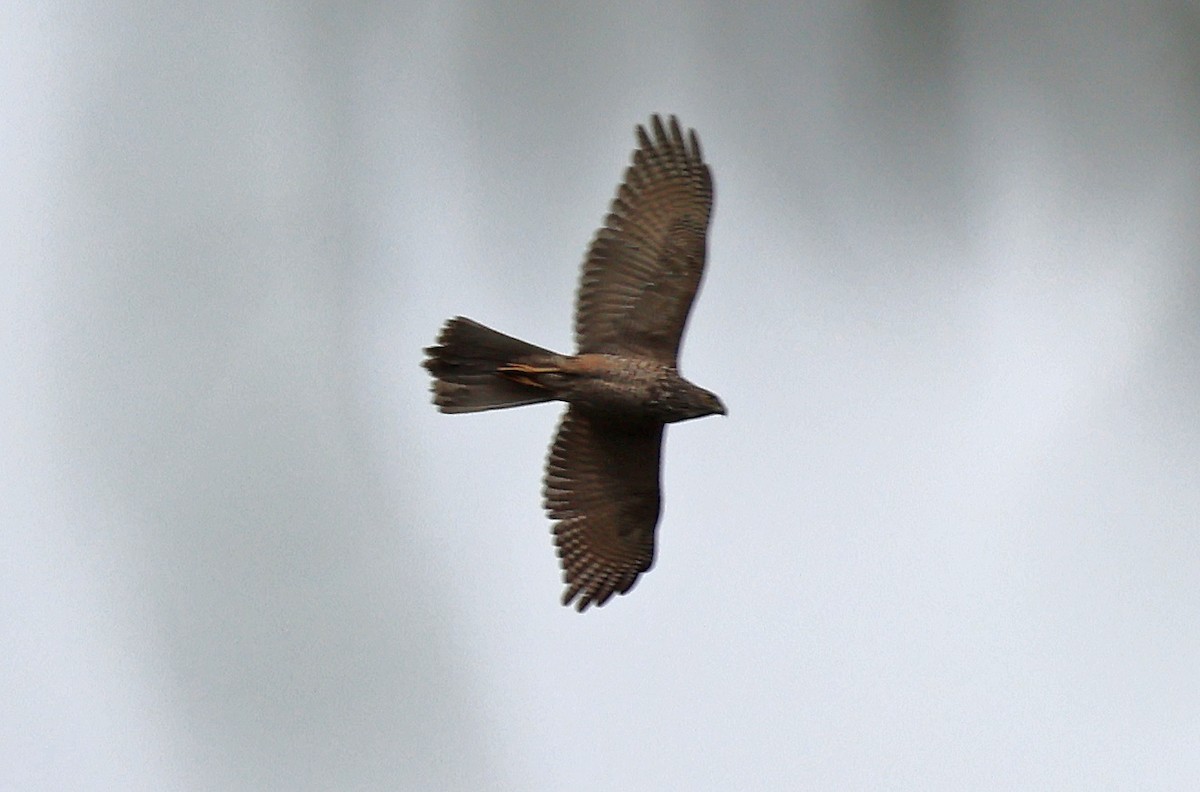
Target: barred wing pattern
(602, 487)
(643, 269)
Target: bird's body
(639, 280)
(632, 389)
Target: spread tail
(466, 366)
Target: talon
(521, 372)
(525, 368)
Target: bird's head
(713, 404)
(692, 401)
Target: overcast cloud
(946, 538)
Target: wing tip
(583, 594)
(666, 135)
(582, 597)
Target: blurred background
(946, 539)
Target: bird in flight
(622, 387)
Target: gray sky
(946, 539)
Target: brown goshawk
(623, 386)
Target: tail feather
(465, 365)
